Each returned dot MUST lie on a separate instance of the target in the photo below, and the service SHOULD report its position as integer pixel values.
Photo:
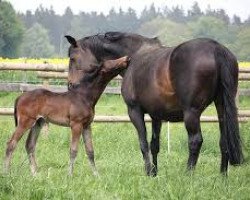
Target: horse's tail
(228, 88)
(15, 112)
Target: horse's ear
(71, 40)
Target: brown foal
(74, 108)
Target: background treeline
(41, 34)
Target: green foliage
(243, 43)
(36, 43)
(211, 27)
(11, 31)
(172, 25)
(170, 33)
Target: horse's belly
(58, 121)
(162, 107)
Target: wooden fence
(48, 71)
(24, 87)
(243, 117)
(52, 71)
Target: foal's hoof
(96, 174)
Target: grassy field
(119, 161)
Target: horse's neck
(146, 47)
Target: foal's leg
(31, 144)
(137, 118)
(76, 129)
(192, 123)
(223, 144)
(87, 138)
(155, 143)
(23, 125)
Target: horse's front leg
(192, 123)
(76, 129)
(87, 138)
(137, 118)
(155, 143)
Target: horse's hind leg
(23, 125)
(192, 123)
(87, 138)
(31, 143)
(137, 118)
(155, 143)
(223, 142)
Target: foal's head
(84, 66)
(81, 61)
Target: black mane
(112, 45)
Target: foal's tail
(228, 88)
(15, 111)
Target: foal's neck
(92, 90)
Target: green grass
(119, 161)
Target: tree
(66, 19)
(52, 22)
(220, 14)
(36, 43)
(169, 32)
(211, 27)
(149, 14)
(195, 12)
(11, 30)
(236, 20)
(242, 44)
(176, 14)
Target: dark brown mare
(74, 108)
(175, 84)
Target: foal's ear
(71, 40)
(120, 63)
(124, 62)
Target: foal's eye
(91, 70)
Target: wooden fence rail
(24, 87)
(64, 75)
(34, 67)
(57, 67)
(243, 117)
(60, 75)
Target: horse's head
(81, 62)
